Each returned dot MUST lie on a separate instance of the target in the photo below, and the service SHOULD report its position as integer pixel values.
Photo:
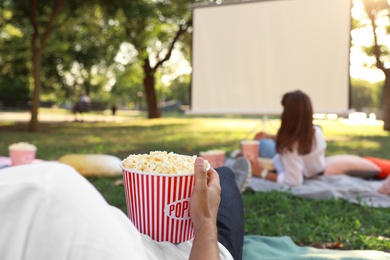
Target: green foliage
(83, 49)
(180, 89)
(128, 89)
(14, 61)
(366, 94)
(82, 52)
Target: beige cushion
(101, 165)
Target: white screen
(245, 56)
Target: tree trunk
(37, 46)
(36, 71)
(386, 103)
(372, 9)
(151, 97)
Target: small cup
(22, 153)
(250, 149)
(216, 158)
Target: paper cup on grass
(250, 149)
(22, 153)
(216, 158)
(158, 204)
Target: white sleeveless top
(292, 167)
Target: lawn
(325, 224)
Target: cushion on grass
(383, 164)
(350, 164)
(267, 163)
(101, 165)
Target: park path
(52, 116)
(59, 117)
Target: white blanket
(353, 189)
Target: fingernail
(208, 166)
(199, 161)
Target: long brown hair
(296, 123)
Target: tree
(36, 19)
(153, 28)
(378, 13)
(60, 41)
(83, 52)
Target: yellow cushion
(101, 165)
(267, 163)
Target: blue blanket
(283, 248)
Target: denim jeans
(230, 219)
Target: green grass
(325, 224)
(333, 223)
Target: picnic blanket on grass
(354, 189)
(276, 248)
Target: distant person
(84, 98)
(300, 145)
(113, 110)
(81, 106)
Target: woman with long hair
(300, 145)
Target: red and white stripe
(148, 195)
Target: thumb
(200, 170)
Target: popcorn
(22, 146)
(160, 162)
(165, 182)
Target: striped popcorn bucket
(158, 204)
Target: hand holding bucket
(158, 202)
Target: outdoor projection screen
(246, 55)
